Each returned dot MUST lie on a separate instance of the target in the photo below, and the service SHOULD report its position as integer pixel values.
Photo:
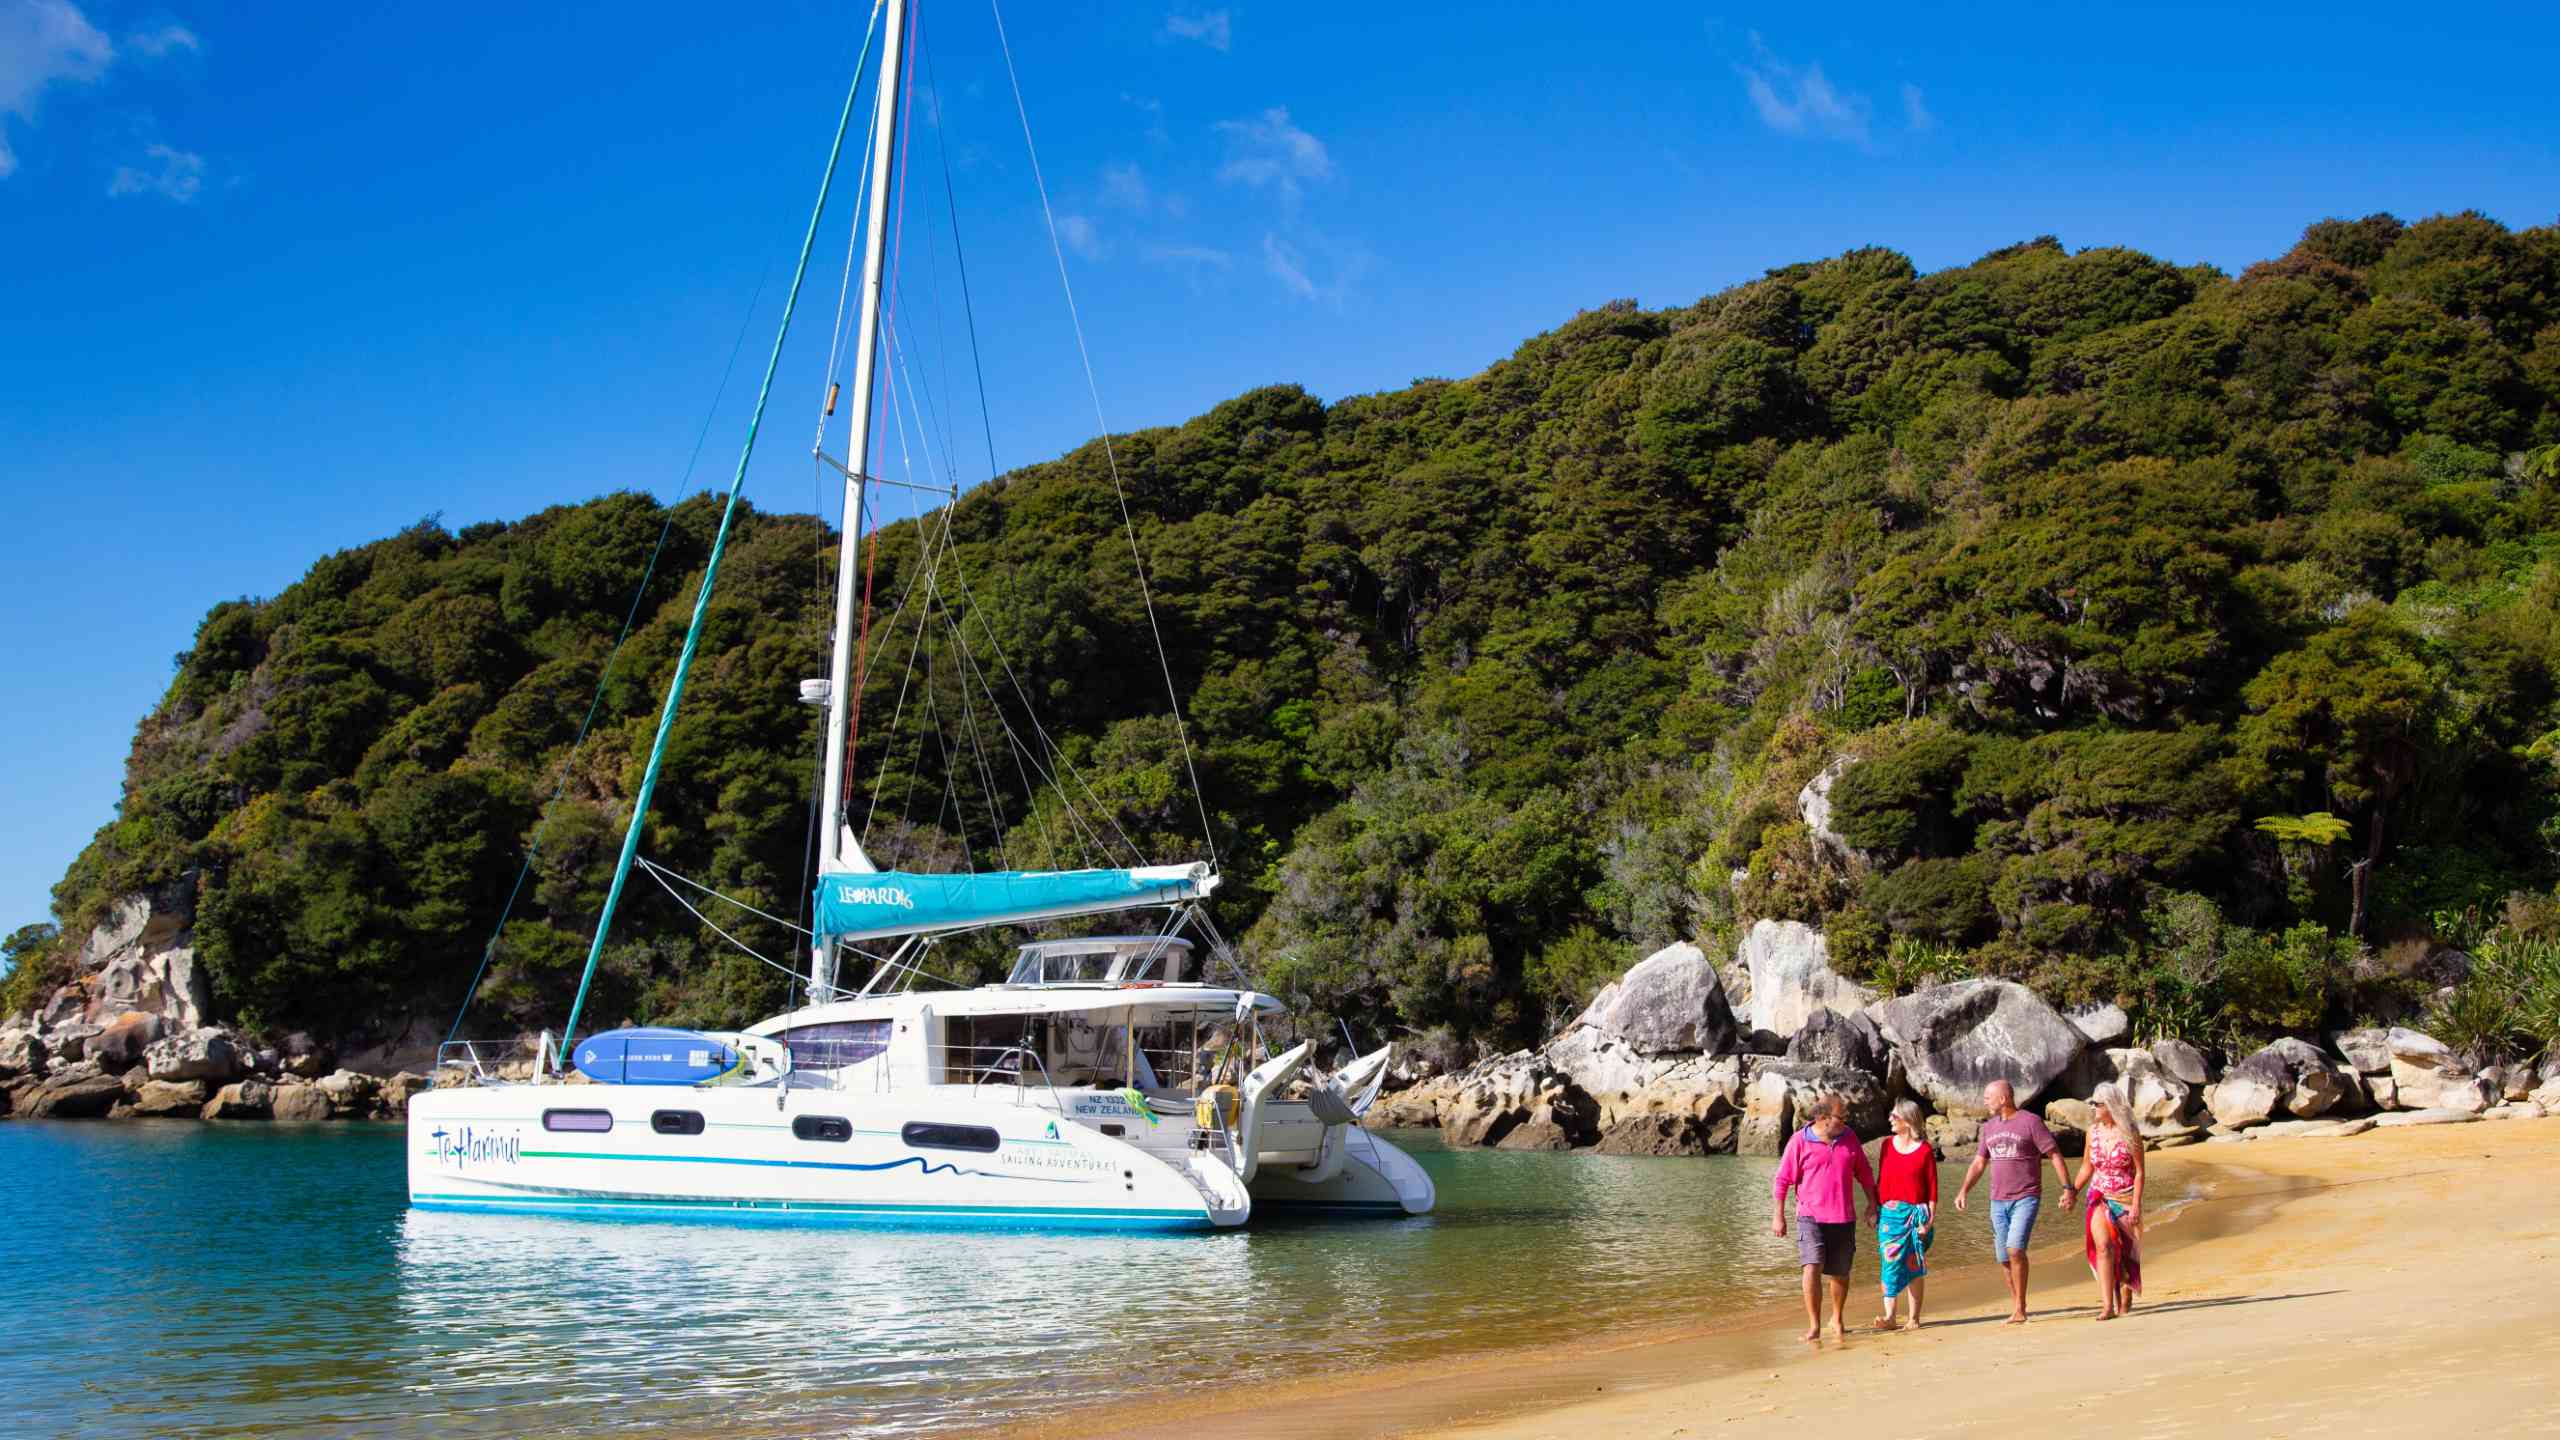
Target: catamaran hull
(775, 1155)
(1373, 1177)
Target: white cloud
(1080, 236)
(1126, 187)
(159, 42)
(1269, 150)
(1188, 255)
(1216, 29)
(179, 177)
(1801, 101)
(1916, 110)
(44, 43)
(1287, 266)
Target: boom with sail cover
(856, 905)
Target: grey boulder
(2182, 1060)
(1671, 1002)
(1851, 1042)
(206, 1052)
(1791, 977)
(1952, 1040)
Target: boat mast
(710, 576)
(837, 847)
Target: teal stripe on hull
(820, 1212)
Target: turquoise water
(182, 1279)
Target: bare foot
(1885, 1322)
(1913, 1323)
(1813, 1336)
(2016, 1318)
(2106, 1314)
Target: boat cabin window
(951, 1137)
(584, 1122)
(822, 1127)
(1161, 966)
(1041, 965)
(835, 1045)
(676, 1122)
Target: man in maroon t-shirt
(2012, 1142)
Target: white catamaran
(1108, 1083)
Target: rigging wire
(640, 592)
(1110, 453)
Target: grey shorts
(1831, 1248)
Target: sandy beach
(2399, 1281)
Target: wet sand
(2402, 1280)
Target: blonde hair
(1908, 1112)
(2110, 1098)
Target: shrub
(1945, 901)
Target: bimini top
(1103, 960)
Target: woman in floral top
(2112, 1172)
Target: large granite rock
(1671, 1135)
(300, 1102)
(241, 1100)
(73, 1092)
(2367, 1051)
(2183, 1061)
(2307, 1082)
(1956, 1136)
(123, 1044)
(1501, 1095)
(2427, 1075)
(2161, 1101)
(393, 1098)
(350, 1093)
(2069, 1120)
(1671, 1002)
(1954, 1039)
(206, 1052)
(2243, 1098)
(70, 1039)
(2103, 1024)
(1791, 977)
(161, 1098)
(1851, 1042)
(22, 1052)
(1778, 1096)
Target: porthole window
(822, 1127)
(583, 1122)
(951, 1137)
(677, 1122)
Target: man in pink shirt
(1820, 1162)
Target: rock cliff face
(1791, 978)
(140, 961)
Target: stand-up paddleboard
(656, 1055)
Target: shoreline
(2308, 1226)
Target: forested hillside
(2194, 638)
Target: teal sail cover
(854, 905)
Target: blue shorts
(2013, 1224)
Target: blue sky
(275, 280)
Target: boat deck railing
(491, 1062)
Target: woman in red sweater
(1908, 1182)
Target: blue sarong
(1903, 1234)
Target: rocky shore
(130, 1037)
(1681, 1057)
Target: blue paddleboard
(652, 1055)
